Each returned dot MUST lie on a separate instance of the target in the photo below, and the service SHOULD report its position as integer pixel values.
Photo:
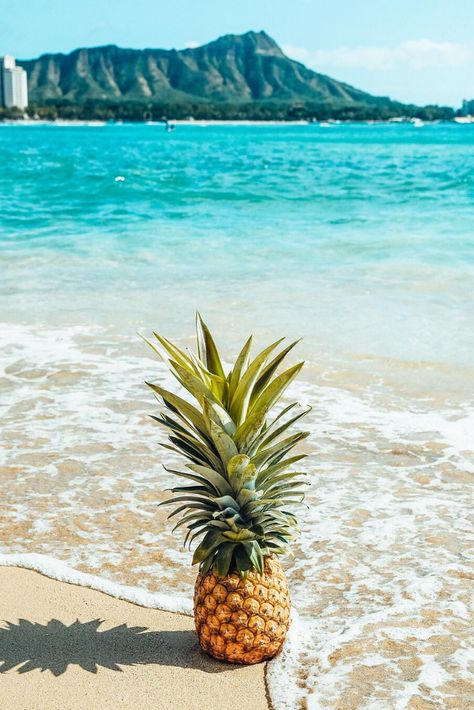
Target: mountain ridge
(237, 68)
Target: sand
(65, 647)
(381, 576)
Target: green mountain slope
(234, 68)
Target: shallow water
(358, 237)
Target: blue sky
(412, 50)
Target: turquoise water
(359, 237)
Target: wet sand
(382, 574)
(65, 647)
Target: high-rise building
(467, 108)
(13, 84)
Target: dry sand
(64, 647)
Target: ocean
(358, 238)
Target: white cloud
(414, 54)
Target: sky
(419, 51)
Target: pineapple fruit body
(242, 620)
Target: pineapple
(239, 490)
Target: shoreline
(213, 122)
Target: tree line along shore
(252, 111)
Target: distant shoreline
(211, 122)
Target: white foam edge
(280, 673)
(60, 571)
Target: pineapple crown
(240, 483)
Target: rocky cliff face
(233, 68)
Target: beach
(357, 238)
(66, 646)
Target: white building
(13, 84)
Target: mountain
(235, 77)
(234, 68)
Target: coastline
(468, 120)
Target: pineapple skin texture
(242, 620)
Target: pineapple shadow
(54, 646)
